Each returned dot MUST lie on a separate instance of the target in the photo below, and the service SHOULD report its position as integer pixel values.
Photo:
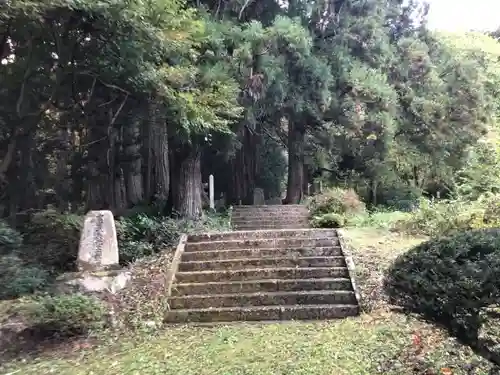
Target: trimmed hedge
(450, 280)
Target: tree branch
(277, 138)
(109, 85)
(247, 3)
(113, 120)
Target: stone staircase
(290, 216)
(262, 275)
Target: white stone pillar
(211, 191)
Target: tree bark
(186, 182)
(63, 154)
(98, 184)
(157, 174)
(133, 160)
(27, 184)
(161, 172)
(305, 180)
(244, 170)
(296, 141)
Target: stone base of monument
(110, 281)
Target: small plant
(379, 219)
(338, 201)
(51, 240)
(143, 235)
(68, 314)
(18, 279)
(330, 220)
(10, 239)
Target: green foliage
(436, 218)
(481, 173)
(73, 314)
(384, 219)
(272, 171)
(18, 279)
(336, 200)
(10, 239)
(450, 280)
(330, 220)
(51, 240)
(143, 235)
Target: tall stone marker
(258, 197)
(98, 243)
(211, 191)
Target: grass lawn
(380, 341)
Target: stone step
(271, 207)
(277, 226)
(268, 225)
(274, 213)
(270, 215)
(271, 224)
(284, 216)
(270, 285)
(256, 313)
(261, 273)
(261, 253)
(266, 222)
(280, 262)
(243, 235)
(318, 297)
(262, 243)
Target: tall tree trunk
(77, 172)
(27, 147)
(98, 182)
(305, 180)
(133, 160)
(244, 169)
(186, 182)
(157, 174)
(116, 175)
(62, 183)
(296, 141)
(161, 172)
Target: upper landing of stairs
(290, 216)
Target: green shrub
(400, 197)
(336, 200)
(51, 240)
(450, 280)
(18, 279)
(328, 221)
(67, 314)
(445, 217)
(379, 219)
(10, 239)
(491, 216)
(143, 235)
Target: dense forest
(120, 103)
(130, 105)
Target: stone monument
(211, 191)
(98, 260)
(98, 247)
(258, 197)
